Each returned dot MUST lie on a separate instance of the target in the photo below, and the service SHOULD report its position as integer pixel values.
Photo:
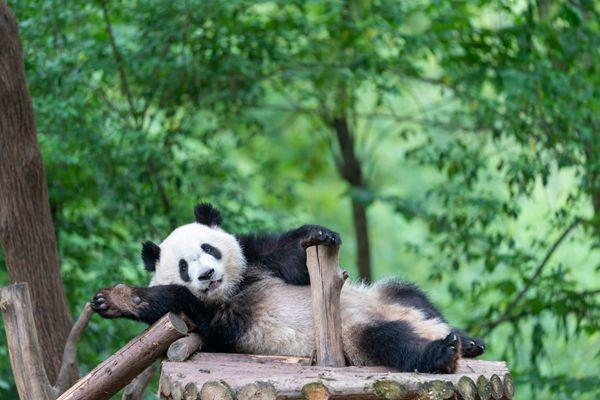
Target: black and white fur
(249, 293)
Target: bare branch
(135, 390)
(528, 284)
(543, 263)
(69, 359)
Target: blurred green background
(474, 151)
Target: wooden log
(509, 387)
(118, 370)
(315, 391)
(216, 390)
(135, 389)
(390, 389)
(164, 386)
(484, 389)
(23, 345)
(326, 281)
(466, 388)
(438, 389)
(191, 392)
(497, 387)
(183, 348)
(177, 391)
(257, 391)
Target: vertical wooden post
(326, 281)
(23, 345)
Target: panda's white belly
(282, 320)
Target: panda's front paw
(319, 235)
(119, 301)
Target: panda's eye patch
(212, 250)
(183, 270)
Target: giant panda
(249, 293)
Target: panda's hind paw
(119, 301)
(441, 356)
(472, 347)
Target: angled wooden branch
(118, 370)
(23, 345)
(70, 353)
(135, 389)
(326, 281)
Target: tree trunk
(26, 232)
(361, 231)
(350, 169)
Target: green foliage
(476, 127)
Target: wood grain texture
(288, 377)
(23, 345)
(118, 370)
(26, 231)
(326, 281)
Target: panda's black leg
(470, 347)
(288, 257)
(392, 344)
(149, 304)
(441, 356)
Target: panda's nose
(206, 275)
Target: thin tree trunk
(26, 232)
(361, 230)
(350, 169)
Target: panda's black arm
(285, 254)
(149, 304)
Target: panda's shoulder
(255, 244)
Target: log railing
(103, 381)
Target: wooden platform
(214, 376)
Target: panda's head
(201, 256)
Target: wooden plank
(465, 365)
(257, 358)
(288, 379)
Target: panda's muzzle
(207, 275)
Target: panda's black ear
(206, 214)
(150, 255)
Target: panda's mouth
(213, 285)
